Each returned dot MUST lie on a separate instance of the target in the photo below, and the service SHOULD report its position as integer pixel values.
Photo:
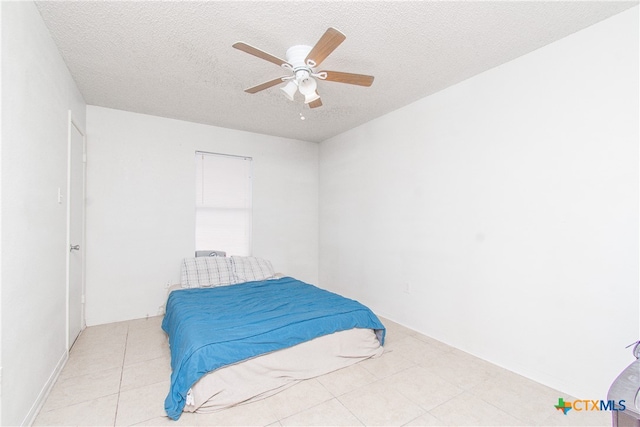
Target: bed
(238, 332)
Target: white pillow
(249, 269)
(207, 271)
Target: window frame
(199, 206)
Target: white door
(75, 204)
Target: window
(223, 203)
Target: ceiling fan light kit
(290, 89)
(301, 61)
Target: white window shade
(223, 203)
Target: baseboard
(44, 393)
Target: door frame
(71, 125)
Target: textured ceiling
(174, 59)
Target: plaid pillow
(207, 271)
(249, 269)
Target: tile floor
(118, 374)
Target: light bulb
(307, 86)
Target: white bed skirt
(266, 375)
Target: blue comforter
(213, 327)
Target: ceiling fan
(301, 62)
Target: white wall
(37, 92)
(508, 204)
(141, 206)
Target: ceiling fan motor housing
(296, 56)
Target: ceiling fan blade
(259, 53)
(265, 85)
(315, 104)
(329, 41)
(349, 78)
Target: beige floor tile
(391, 362)
(596, 418)
(146, 373)
(257, 413)
(393, 336)
(146, 344)
(186, 419)
(422, 387)
(527, 400)
(461, 369)
(415, 350)
(97, 412)
(347, 379)
(425, 420)
(82, 388)
(469, 410)
(394, 331)
(416, 374)
(150, 330)
(297, 398)
(142, 404)
(103, 333)
(379, 405)
(438, 344)
(330, 413)
(87, 362)
(90, 342)
(154, 322)
(95, 337)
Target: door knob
(74, 248)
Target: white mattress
(268, 374)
